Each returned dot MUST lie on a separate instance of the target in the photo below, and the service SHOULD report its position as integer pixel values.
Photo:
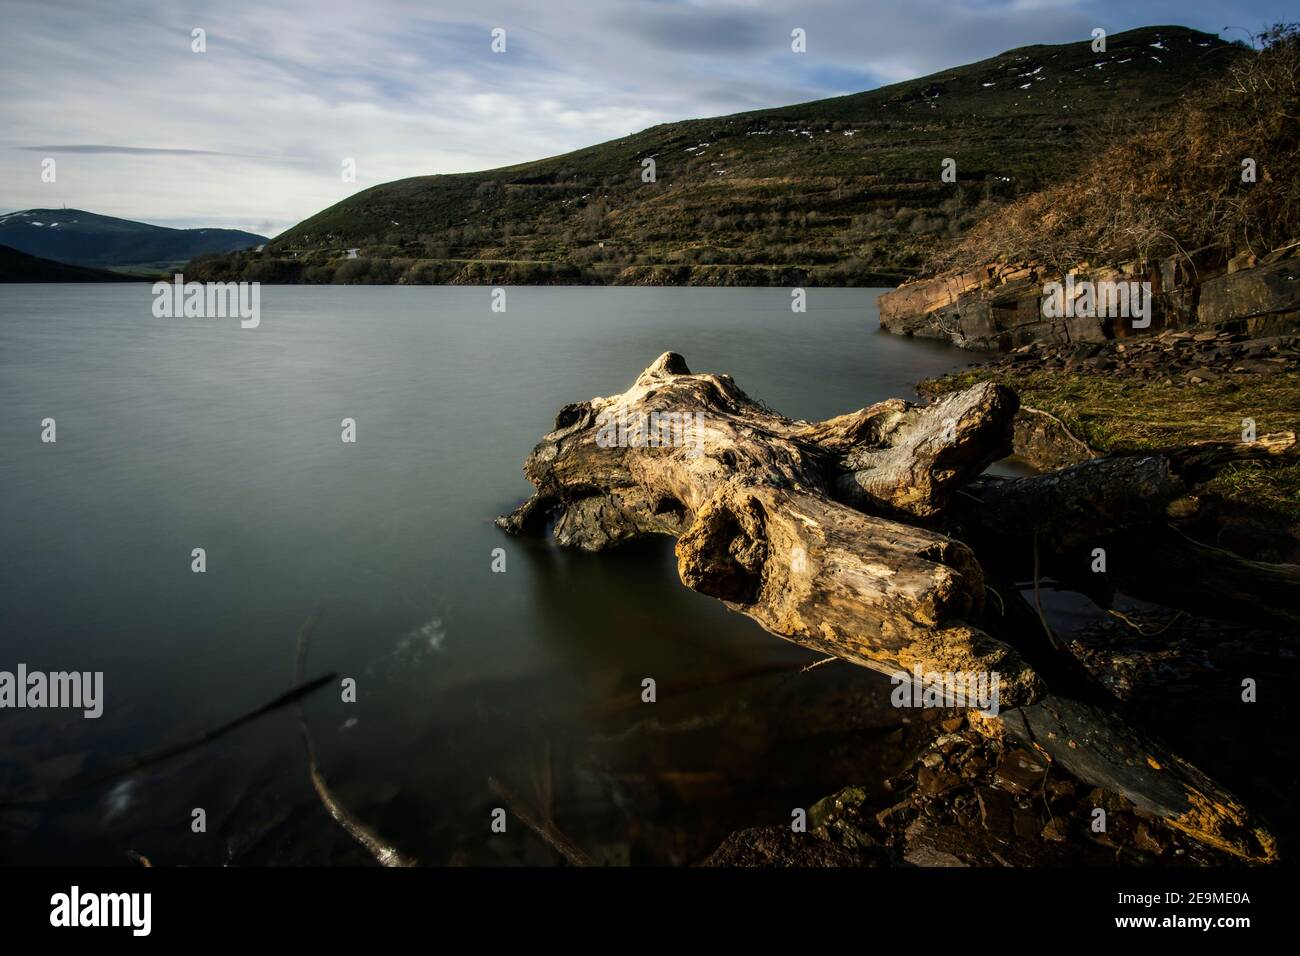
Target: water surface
(175, 434)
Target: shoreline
(972, 800)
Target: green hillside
(839, 191)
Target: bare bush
(1176, 188)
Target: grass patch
(1112, 415)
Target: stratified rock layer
(1001, 307)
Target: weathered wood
(1111, 493)
(383, 852)
(911, 459)
(759, 506)
(1121, 504)
(749, 495)
(540, 825)
(1097, 746)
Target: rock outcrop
(1003, 307)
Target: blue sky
(252, 133)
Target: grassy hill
(18, 266)
(838, 191)
(85, 238)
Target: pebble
(1018, 772)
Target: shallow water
(175, 434)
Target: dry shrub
(1175, 188)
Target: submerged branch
(543, 828)
(386, 854)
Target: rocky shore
(1179, 358)
(971, 800)
(1002, 307)
(968, 800)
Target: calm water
(186, 433)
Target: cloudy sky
(252, 133)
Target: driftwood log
(1119, 504)
(832, 535)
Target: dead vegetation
(1182, 186)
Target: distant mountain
(18, 266)
(838, 191)
(86, 239)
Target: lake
(177, 434)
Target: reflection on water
(176, 434)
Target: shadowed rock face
(823, 534)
